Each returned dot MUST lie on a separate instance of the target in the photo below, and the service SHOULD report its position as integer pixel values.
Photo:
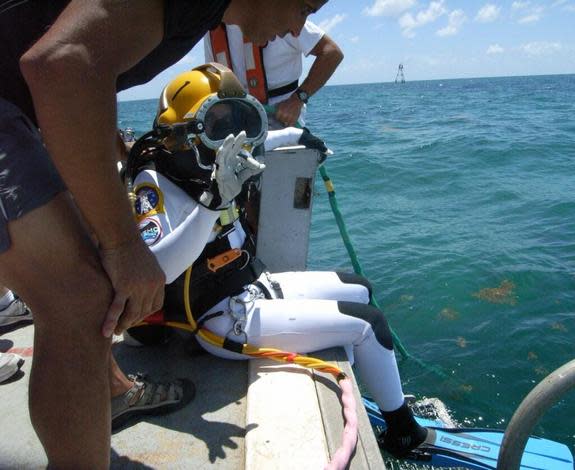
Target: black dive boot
(403, 433)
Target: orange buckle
(218, 262)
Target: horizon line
(407, 81)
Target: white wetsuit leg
(307, 325)
(321, 285)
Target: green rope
(351, 250)
(270, 109)
(358, 270)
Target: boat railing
(546, 394)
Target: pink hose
(343, 454)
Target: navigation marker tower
(400, 78)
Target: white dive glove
(234, 165)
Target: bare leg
(55, 267)
(119, 383)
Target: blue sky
(433, 39)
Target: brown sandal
(148, 398)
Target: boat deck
(246, 414)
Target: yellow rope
(270, 353)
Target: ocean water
(459, 197)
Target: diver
(184, 177)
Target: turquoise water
(459, 196)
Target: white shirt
(283, 61)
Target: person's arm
(327, 58)
(71, 73)
(185, 227)
(286, 137)
(177, 250)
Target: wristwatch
(302, 95)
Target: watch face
(302, 95)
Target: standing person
(61, 64)
(272, 73)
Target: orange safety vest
(255, 72)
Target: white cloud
(528, 13)
(456, 20)
(388, 7)
(566, 4)
(354, 39)
(488, 13)
(541, 48)
(328, 24)
(494, 49)
(408, 22)
(520, 5)
(532, 18)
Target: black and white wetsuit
(294, 311)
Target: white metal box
(285, 208)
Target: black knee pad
(373, 316)
(351, 278)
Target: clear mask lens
(231, 117)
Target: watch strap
(302, 95)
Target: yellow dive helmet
(209, 103)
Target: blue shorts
(28, 178)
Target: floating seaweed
(448, 313)
(405, 298)
(559, 327)
(504, 294)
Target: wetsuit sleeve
(288, 136)
(171, 223)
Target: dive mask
(226, 109)
(221, 117)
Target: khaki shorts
(28, 178)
